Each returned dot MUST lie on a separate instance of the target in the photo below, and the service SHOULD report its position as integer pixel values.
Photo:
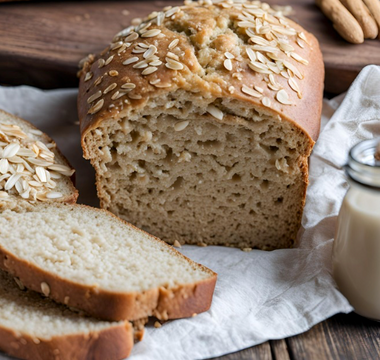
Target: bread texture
(33, 327)
(200, 120)
(91, 260)
(32, 169)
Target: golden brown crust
(114, 343)
(164, 303)
(195, 299)
(69, 199)
(304, 113)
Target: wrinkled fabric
(259, 295)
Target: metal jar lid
(364, 163)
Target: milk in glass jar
(356, 250)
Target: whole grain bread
(33, 327)
(32, 169)
(200, 120)
(91, 260)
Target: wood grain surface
(42, 42)
(343, 337)
(349, 337)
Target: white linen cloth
(259, 295)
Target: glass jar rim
(369, 148)
(362, 165)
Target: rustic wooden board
(280, 350)
(343, 337)
(348, 337)
(42, 42)
(262, 352)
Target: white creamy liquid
(356, 252)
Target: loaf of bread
(200, 120)
(32, 169)
(32, 327)
(89, 259)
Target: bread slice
(91, 260)
(32, 327)
(199, 123)
(31, 166)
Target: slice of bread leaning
(32, 327)
(32, 168)
(91, 260)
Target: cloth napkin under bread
(259, 295)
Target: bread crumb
(164, 315)
(177, 244)
(202, 244)
(157, 324)
(194, 315)
(237, 75)
(185, 156)
(247, 249)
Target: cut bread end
(32, 169)
(175, 170)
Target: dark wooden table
(41, 44)
(342, 337)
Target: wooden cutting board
(42, 42)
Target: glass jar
(356, 250)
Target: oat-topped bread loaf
(32, 169)
(200, 120)
(91, 260)
(32, 327)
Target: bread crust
(69, 199)
(164, 303)
(114, 343)
(305, 114)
